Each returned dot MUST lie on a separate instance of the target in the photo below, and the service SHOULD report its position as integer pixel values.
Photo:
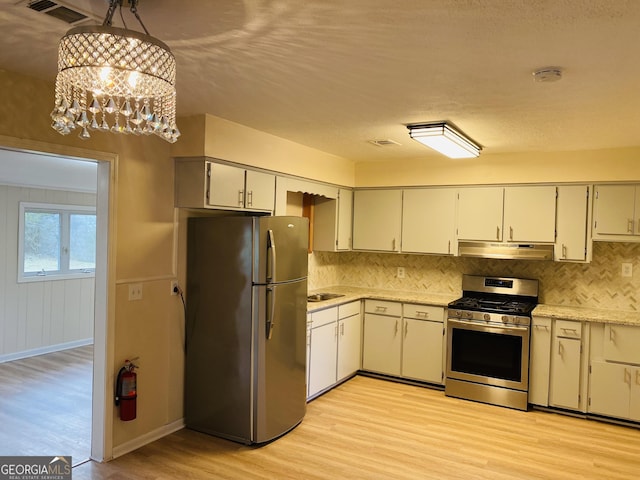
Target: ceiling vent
(62, 11)
(383, 143)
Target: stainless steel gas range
(488, 340)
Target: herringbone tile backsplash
(598, 284)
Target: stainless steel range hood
(513, 251)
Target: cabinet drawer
(382, 307)
(568, 329)
(323, 317)
(349, 309)
(423, 312)
(621, 343)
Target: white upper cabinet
(616, 212)
(200, 183)
(507, 214)
(480, 213)
(428, 220)
(332, 222)
(377, 220)
(530, 214)
(572, 223)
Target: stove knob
(457, 313)
(515, 320)
(469, 314)
(486, 316)
(505, 319)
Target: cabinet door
(226, 186)
(349, 345)
(345, 215)
(621, 343)
(422, 350)
(377, 220)
(609, 390)
(480, 213)
(260, 190)
(571, 223)
(613, 211)
(382, 344)
(540, 361)
(428, 220)
(565, 373)
(634, 398)
(322, 358)
(530, 214)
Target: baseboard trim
(147, 438)
(9, 357)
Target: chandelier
(115, 79)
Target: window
(56, 241)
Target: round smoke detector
(547, 74)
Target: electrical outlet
(627, 269)
(175, 288)
(400, 273)
(135, 291)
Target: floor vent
(61, 11)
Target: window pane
(41, 242)
(82, 243)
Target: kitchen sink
(320, 297)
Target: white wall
(39, 317)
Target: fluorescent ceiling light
(444, 139)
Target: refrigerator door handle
(271, 248)
(271, 311)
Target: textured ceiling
(333, 74)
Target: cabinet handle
(395, 332)
(342, 329)
(240, 197)
(498, 232)
(336, 332)
(449, 247)
(250, 198)
(612, 335)
(420, 313)
(569, 330)
(406, 329)
(393, 245)
(630, 225)
(510, 233)
(560, 348)
(380, 308)
(541, 327)
(627, 377)
(564, 251)
(637, 377)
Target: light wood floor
(45, 404)
(374, 429)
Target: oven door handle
(486, 327)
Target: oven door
(488, 354)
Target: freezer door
(281, 249)
(280, 361)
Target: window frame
(64, 273)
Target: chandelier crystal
(115, 79)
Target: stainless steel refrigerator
(246, 326)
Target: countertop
(582, 314)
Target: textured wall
(596, 285)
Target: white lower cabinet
(540, 361)
(614, 386)
(565, 390)
(334, 346)
(404, 340)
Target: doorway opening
(53, 324)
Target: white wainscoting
(39, 316)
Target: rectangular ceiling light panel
(444, 139)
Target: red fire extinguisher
(126, 391)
